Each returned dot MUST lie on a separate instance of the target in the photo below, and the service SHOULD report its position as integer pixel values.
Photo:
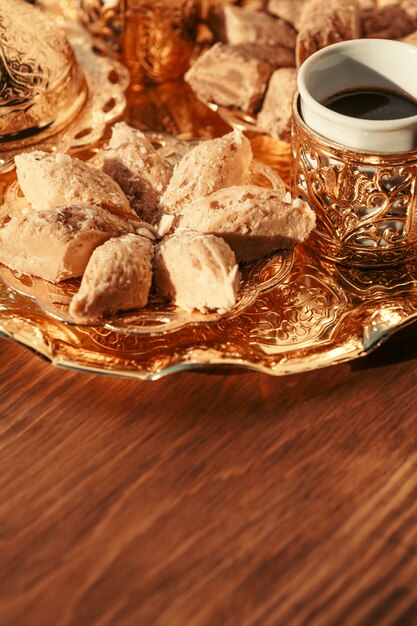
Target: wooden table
(207, 499)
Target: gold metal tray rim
(241, 343)
(219, 363)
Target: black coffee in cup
(372, 104)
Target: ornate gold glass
(365, 202)
(155, 38)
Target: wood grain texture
(209, 499)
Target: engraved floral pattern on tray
(318, 315)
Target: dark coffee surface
(371, 104)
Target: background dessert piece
(289, 10)
(50, 180)
(411, 38)
(409, 7)
(394, 20)
(210, 165)
(323, 23)
(276, 56)
(254, 221)
(236, 76)
(197, 271)
(245, 26)
(276, 113)
(57, 243)
(366, 5)
(118, 277)
(133, 162)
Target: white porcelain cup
(359, 64)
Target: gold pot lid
(41, 84)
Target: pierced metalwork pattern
(365, 204)
(104, 19)
(102, 92)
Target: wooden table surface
(209, 498)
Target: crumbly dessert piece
(57, 243)
(289, 10)
(410, 8)
(118, 277)
(197, 271)
(276, 56)
(133, 162)
(210, 165)
(236, 76)
(411, 38)
(322, 24)
(51, 180)
(254, 221)
(366, 5)
(245, 26)
(276, 113)
(391, 21)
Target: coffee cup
(362, 67)
(359, 175)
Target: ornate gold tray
(308, 314)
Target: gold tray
(312, 314)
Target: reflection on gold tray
(158, 316)
(237, 118)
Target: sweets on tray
(235, 76)
(49, 180)
(210, 165)
(133, 162)
(289, 10)
(79, 223)
(391, 21)
(276, 113)
(118, 277)
(56, 243)
(246, 26)
(197, 271)
(322, 24)
(254, 221)
(411, 38)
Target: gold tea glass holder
(365, 202)
(155, 39)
